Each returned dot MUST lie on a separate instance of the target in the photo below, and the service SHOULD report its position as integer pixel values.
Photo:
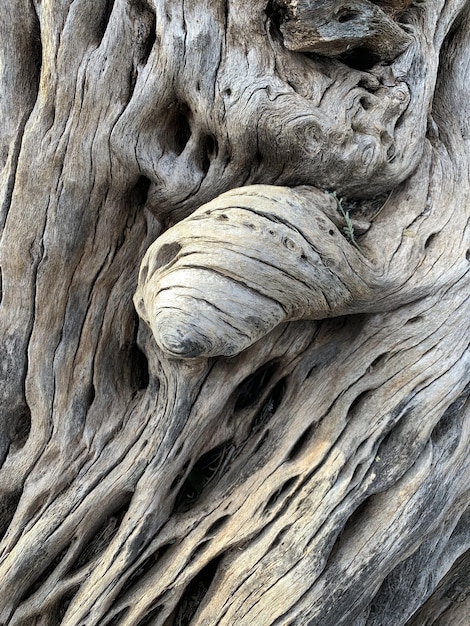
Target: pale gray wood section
(277, 431)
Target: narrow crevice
(280, 493)
(133, 74)
(204, 470)
(139, 366)
(137, 575)
(178, 478)
(182, 130)
(388, 444)
(36, 50)
(250, 390)
(194, 594)
(301, 444)
(216, 526)
(163, 549)
(269, 406)
(448, 430)
(357, 403)
(311, 371)
(209, 152)
(396, 453)
(391, 154)
(414, 320)
(103, 535)
(200, 549)
(139, 193)
(149, 40)
(116, 619)
(378, 361)
(429, 240)
(8, 505)
(177, 127)
(90, 396)
(278, 538)
(65, 603)
(258, 158)
(262, 441)
(19, 428)
(42, 578)
(104, 21)
(400, 122)
(138, 362)
(153, 613)
(147, 565)
(356, 520)
(347, 14)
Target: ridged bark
(234, 318)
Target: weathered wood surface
(304, 459)
(335, 27)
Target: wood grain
(303, 457)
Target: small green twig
(348, 230)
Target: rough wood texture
(284, 439)
(333, 27)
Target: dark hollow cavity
(202, 472)
(360, 59)
(178, 127)
(210, 148)
(251, 389)
(269, 406)
(104, 21)
(194, 593)
(8, 505)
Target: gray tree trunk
(234, 317)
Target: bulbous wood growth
(234, 317)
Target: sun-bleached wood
(282, 438)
